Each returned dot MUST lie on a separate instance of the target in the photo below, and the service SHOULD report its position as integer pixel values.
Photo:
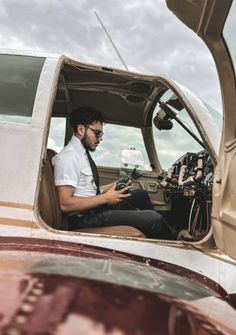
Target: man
(86, 203)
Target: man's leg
(149, 222)
(139, 199)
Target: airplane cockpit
(153, 133)
(157, 132)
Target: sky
(149, 37)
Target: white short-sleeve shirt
(72, 168)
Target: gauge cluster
(190, 173)
(188, 185)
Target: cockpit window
(57, 133)
(118, 139)
(173, 141)
(19, 76)
(229, 33)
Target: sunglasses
(98, 133)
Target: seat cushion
(113, 230)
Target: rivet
(37, 291)
(206, 326)
(21, 319)
(147, 261)
(27, 308)
(40, 285)
(13, 331)
(179, 313)
(31, 298)
(140, 297)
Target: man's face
(92, 136)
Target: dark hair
(85, 115)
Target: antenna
(113, 44)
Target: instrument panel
(188, 185)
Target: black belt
(76, 214)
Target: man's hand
(107, 187)
(123, 182)
(113, 197)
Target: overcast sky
(149, 37)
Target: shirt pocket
(86, 177)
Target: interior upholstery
(49, 206)
(52, 215)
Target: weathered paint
(48, 248)
(38, 301)
(15, 205)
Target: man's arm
(70, 203)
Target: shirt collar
(75, 141)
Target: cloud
(148, 36)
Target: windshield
(229, 33)
(117, 140)
(173, 143)
(218, 117)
